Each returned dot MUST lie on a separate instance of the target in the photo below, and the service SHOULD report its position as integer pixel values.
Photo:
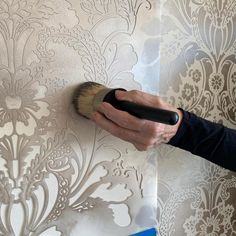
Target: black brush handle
(141, 111)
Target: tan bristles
(84, 98)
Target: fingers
(125, 134)
(110, 126)
(121, 118)
(142, 134)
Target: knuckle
(152, 129)
(157, 130)
(154, 132)
(135, 93)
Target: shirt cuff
(182, 130)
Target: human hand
(143, 134)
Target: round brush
(89, 95)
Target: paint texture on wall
(59, 173)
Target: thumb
(134, 96)
(122, 95)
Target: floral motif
(212, 174)
(211, 222)
(188, 92)
(220, 16)
(195, 75)
(216, 82)
(233, 77)
(201, 50)
(125, 9)
(21, 103)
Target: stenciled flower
(212, 173)
(21, 103)
(188, 92)
(210, 222)
(216, 82)
(195, 75)
(233, 77)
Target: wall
(62, 175)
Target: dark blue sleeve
(206, 139)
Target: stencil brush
(89, 95)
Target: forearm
(211, 141)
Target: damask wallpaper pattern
(59, 172)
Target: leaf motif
(34, 173)
(87, 6)
(15, 7)
(41, 9)
(83, 42)
(4, 6)
(62, 199)
(5, 189)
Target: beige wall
(62, 175)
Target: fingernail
(120, 94)
(105, 106)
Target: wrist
(181, 115)
(180, 127)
